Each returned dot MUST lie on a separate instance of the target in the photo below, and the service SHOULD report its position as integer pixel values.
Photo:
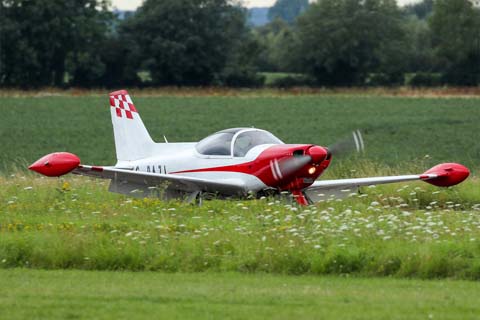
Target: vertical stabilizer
(132, 140)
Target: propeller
(291, 165)
(313, 155)
(354, 142)
(282, 168)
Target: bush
(242, 78)
(291, 81)
(383, 79)
(425, 79)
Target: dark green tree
(187, 42)
(120, 57)
(241, 69)
(455, 27)
(344, 42)
(287, 10)
(40, 38)
(278, 41)
(421, 9)
(420, 54)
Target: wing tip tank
(447, 174)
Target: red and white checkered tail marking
(121, 101)
(132, 141)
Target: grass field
(239, 259)
(30, 294)
(401, 230)
(398, 131)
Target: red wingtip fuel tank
(55, 164)
(449, 174)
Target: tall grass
(400, 230)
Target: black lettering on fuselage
(153, 169)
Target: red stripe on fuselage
(261, 167)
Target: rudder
(132, 140)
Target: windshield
(249, 139)
(218, 144)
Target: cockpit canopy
(235, 142)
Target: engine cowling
(55, 164)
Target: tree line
(208, 42)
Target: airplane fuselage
(259, 169)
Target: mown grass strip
(142, 295)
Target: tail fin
(132, 140)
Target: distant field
(33, 294)
(398, 131)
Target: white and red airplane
(232, 163)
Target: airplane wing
(128, 181)
(443, 175)
(323, 189)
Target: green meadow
(71, 249)
(398, 131)
(404, 230)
